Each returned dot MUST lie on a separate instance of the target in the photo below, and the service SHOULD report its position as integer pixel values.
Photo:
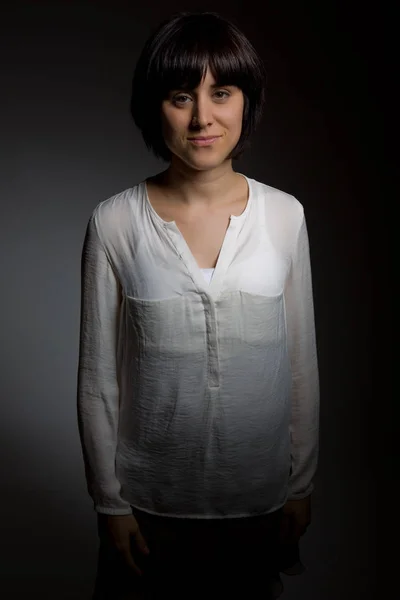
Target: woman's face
(218, 111)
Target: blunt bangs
(177, 55)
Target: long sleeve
(98, 390)
(304, 424)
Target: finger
(299, 529)
(141, 542)
(294, 530)
(297, 532)
(128, 558)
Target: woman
(198, 396)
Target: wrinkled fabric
(197, 398)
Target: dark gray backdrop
(67, 143)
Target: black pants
(193, 559)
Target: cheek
(174, 127)
(235, 118)
(235, 123)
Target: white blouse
(198, 389)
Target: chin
(203, 164)
(205, 156)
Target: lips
(209, 141)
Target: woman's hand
(296, 517)
(119, 530)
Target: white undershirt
(208, 273)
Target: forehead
(208, 77)
(208, 81)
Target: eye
(222, 92)
(180, 98)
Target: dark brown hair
(176, 56)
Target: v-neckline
(182, 247)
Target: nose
(201, 114)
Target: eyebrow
(213, 86)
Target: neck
(202, 189)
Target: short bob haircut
(176, 56)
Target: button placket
(212, 342)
